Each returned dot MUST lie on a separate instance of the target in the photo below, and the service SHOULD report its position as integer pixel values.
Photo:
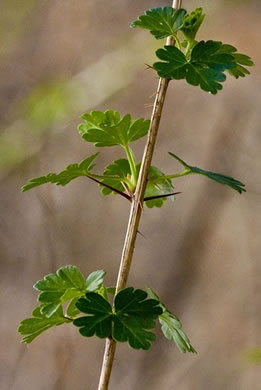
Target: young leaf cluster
(65, 295)
(158, 184)
(201, 63)
(105, 129)
(120, 177)
(130, 319)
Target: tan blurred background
(201, 254)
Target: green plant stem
(175, 175)
(189, 47)
(116, 178)
(132, 162)
(135, 212)
(111, 177)
(178, 43)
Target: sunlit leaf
(73, 171)
(32, 327)
(65, 285)
(118, 169)
(109, 129)
(95, 280)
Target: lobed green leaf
(161, 21)
(218, 177)
(95, 280)
(157, 185)
(238, 70)
(131, 320)
(66, 284)
(172, 329)
(120, 170)
(171, 326)
(109, 129)
(100, 320)
(30, 328)
(73, 171)
(205, 67)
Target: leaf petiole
(111, 177)
(190, 45)
(175, 175)
(132, 162)
(177, 40)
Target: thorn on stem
(149, 67)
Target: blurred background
(201, 254)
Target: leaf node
(157, 185)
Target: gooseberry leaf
(73, 171)
(109, 129)
(135, 316)
(157, 183)
(99, 321)
(171, 326)
(238, 69)
(161, 21)
(205, 67)
(95, 280)
(32, 327)
(72, 310)
(119, 169)
(131, 320)
(65, 285)
(191, 23)
(111, 290)
(218, 177)
(172, 329)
